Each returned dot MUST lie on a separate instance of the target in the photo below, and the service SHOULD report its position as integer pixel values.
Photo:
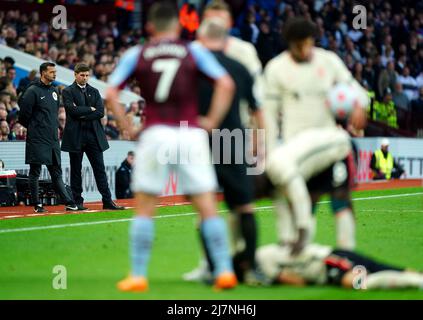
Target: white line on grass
(90, 223)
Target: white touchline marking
(90, 223)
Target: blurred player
(324, 265)
(168, 72)
(232, 177)
(242, 51)
(246, 54)
(296, 84)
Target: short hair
(9, 60)
(162, 15)
(213, 28)
(44, 66)
(131, 153)
(217, 5)
(298, 29)
(81, 67)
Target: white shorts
(308, 153)
(163, 150)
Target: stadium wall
(408, 152)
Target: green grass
(96, 256)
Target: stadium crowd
(386, 57)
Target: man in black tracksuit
(123, 178)
(84, 134)
(39, 108)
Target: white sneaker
(199, 274)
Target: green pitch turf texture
(96, 255)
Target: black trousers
(56, 177)
(95, 156)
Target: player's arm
(117, 80)
(98, 111)
(290, 278)
(358, 117)
(74, 111)
(272, 103)
(224, 86)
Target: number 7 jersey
(168, 73)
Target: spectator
(249, 31)
(400, 99)
(19, 132)
(383, 165)
(387, 79)
(2, 166)
(409, 84)
(123, 178)
(385, 111)
(11, 75)
(62, 123)
(265, 42)
(417, 108)
(4, 130)
(419, 80)
(9, 62)
(3, 114)
(24, 82)
(111, 129)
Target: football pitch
(94, 250)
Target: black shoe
(72, 207)
(81, 207)
(112, 206)
(39, 209)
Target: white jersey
(246, 54)
(299, 91)
(309, 264)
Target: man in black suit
(84, 133)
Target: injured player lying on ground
(323, 265)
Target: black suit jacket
(77, 112)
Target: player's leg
(214, 232)
(342, 175)
(141, 236)
(285, 223)
(149, 177)
(371, 274)
(198, 179)
(239, 194)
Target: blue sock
(141, 239)
(216, 238)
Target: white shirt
(410, 86)
(299, 91)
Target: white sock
(394, 280)
(345, 229)
(299, 198)
(285, 224)
(237, 243)
(312, 232)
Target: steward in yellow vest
(383, 165)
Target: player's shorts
(163, 150)
(307, 154)
(237, 185)
(340, 175)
